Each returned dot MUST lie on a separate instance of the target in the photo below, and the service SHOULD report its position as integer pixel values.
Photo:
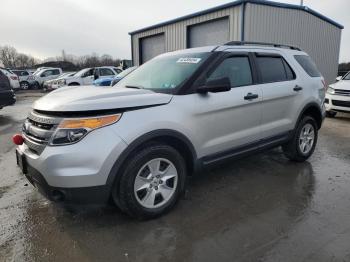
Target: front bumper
(82, 195)
(337, 103)
(81, 167)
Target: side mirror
(215, 85)
(338, 78)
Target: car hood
(88, 98)
(343, 84)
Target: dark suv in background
(7, 96)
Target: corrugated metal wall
(175, 34)
(321, 40)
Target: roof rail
(263, 44)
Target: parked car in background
(53, 84)
(46, 74)
(338, 96)
(111, 81)
(138, 143)
(39, 69)
(122, 75)
(26, 79)
(13, 78)
(88, 75)
(7, 96)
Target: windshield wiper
(135, 87)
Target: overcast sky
(44, 28)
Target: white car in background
(46, 74)
(53, 84)
(14, 81)
(338, 96)
(26, 78)
(88, 75)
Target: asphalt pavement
(261, 208)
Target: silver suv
(138, 141)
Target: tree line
(11, 58)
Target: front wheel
(304, 140)
(152, 182)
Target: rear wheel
(331, 114)
(151, 183)
(304, 140)
(24, 85)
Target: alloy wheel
(306, 138)
(155, 183)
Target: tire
(294, 148)
(74, 84)
(142, 197)
(24, 85)
(331, 114)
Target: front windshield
(37, 72)
(164, 73)
(347, 76)
(82, 72)
(126, 72)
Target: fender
(112, 177)
(320, 116)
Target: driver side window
(236, 69)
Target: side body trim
(247, 149)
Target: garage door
(151, 47)
(209, 33)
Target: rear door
(4, 82)
(5, 94)
(281, 92)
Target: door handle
(251, 96)
(297, 88)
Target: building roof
(239, 2)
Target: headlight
(62, 82)
(330, 90)
(71, 131)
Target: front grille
(37, 131)
(342, 92)
(341, 103)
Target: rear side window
(308, 65)
(106, 72)
(237, 69)
(274, 69)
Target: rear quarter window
(308, 65)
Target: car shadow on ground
(228, 209)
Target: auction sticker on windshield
(189, 60)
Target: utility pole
(301, 2)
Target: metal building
(246, 20)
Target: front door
(229, 120)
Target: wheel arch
(173, 138)
(74, 84)
(314, 110)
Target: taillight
(14, 77)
